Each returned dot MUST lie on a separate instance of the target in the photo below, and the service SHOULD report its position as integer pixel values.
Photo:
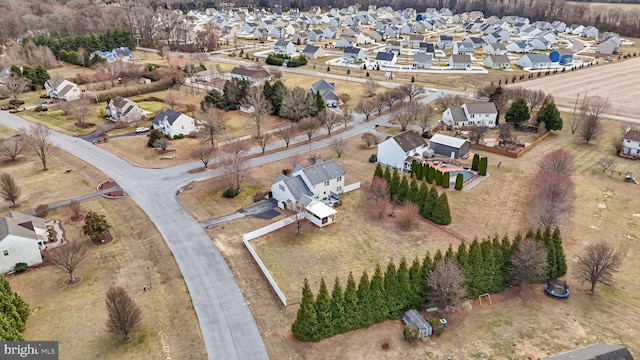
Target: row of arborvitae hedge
(386, 295)
(14, 313)
(480, 164)
(432, 206)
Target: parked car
(142, 129)
(432, 90)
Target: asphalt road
(227, 325)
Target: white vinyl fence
(246, 238)
(351, 187)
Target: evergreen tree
(415, 277)
(501, 266)
(365, 302)
(431, 174)
(462, 256)
(493, 276)
(505, 249)
(475, 162)
(378, 172)
(550, 115)
(403, 188)
(552, 263)
(319, 102)
(395, 182)
(387, 174)
(426, 211)
(437, 257)
(337, 310)
(445, 180)
(403, 287)
(351, 309)
(414, 192)
(379, 308)
(518, 112)
(427, 266)
(450, 254)
(459, 181)
(441, 214)
(414, 168)
(438, 178)
(323, 311)
(482, 167)
(476, 273)
(422, 195)
(306, 327)
(14, 312)
(391, 291)
(561, 260)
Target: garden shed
(449, 146)
(413, 317)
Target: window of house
(326, 183)
(339, 178)
(281, 187)
(5, 252)
(339, 188)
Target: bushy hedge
(387, 294)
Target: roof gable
(409, 140)
(323, 171)
(447, 140)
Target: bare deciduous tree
(83, 109)
(262, 140)
(605, 163)
(122, 312)
(11, 148)
(425, 116)
(410, 90)
(329, 119)
(346, 118)
(377, 189)
(369, 139)
(528, 263)
(505, 131)
(448, 100)
(213, 122)
(406, 115)
(161, 144)
(445, 284)
(171, 98)
(261, 106)
(309, 126)
(67, 107)
(301, 214)
(202, 153)
(16, 85)
(76, 209)
(233, 163)
(370, 87)
(68, 257)
(590, 114)
(9, 188)
(476, 133)
(407, 215)
(286, 134)
(534, 97)
(558, 162)
(344, 99)
(338, 145)
(297, 104)
(37, 137)
(597, 263)
(551, 197)
(366, 107)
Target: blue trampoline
(557, 288)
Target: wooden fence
(507, 153)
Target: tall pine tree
(392, 294)
(431, 174)
(323, 311)
(306, 327)
(403, 188)
(351, 308)
(379, 308)
(395, 182)
(365, 301)
(412, 194)
(387, 174)
(415, 277)
(338, 315)
(426, 210)
(438, 178)
(441, 214)
(561, 260)
(403, 287)
(378, 172)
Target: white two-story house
(631, 143)
(172, 123)
(309, 186)
(21, 239)
(62, 89)
(471, 114)
(399, 150)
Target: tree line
(14, 314)
(487, 266)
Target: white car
(142, 129)
(432, 90)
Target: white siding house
(631, 143)
(123, 109)
(173, 123)
(62, 89)
(395, 150)
(21, 238)
(472, 114)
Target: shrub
(92, 124)
(230, 193)
(459, 181)
(273, 59)
(437, 327)
(40, 108)
(42, 210)
(154, 135)
(297, 61)
(155, 86)
(15, 102)
(445, 180)
(20, 267)
(179, 136)
(410, 333)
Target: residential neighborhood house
(123, 109)
(21, 239)
(327, 90)
(398, 151)
(172, 123)
(449, 146)
(631, 143)
(255, 76)
(62, 89)
(471, 114)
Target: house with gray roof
(422, 61)
(256, 76)
(21, 239)
(595, 352)
(353, 55)
(384, 58)
(122, 109)
(497, 62)
(313, 52)
(471, 114)
(327, 91)
(534, 61)
(62, 89)
(284, 47)
(172, 123)
(458, 61)
(309, 187)
(398, 151)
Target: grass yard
(134, 150)
(517, 326)
(56, 121)
(69, 71)
(75, 316)
(46, 187)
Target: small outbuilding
(449, 146)
(413, 317)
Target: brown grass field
(518, 325)
(135, 151)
